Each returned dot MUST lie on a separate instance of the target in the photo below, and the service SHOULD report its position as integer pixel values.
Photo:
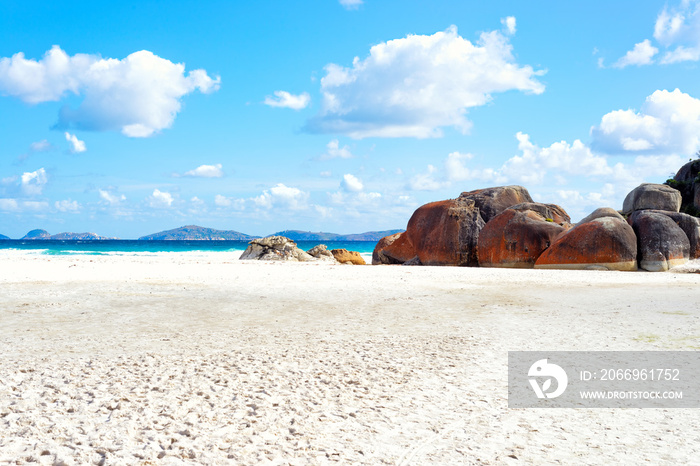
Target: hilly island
(197, 233)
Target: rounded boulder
(650, 196)
(516, 238)
(378, 256)
(394, 251)
(348, 257)
(662, 243)
(603, 243)
(493, 201)
(446, 232)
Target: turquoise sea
(141, 247)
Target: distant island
(197, 233)
(45, 235)
(298, 235)
(194, 233)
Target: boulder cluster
(504, 227)
(687, 181)
(281, 248)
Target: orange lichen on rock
(603, 243)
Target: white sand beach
(204, 359)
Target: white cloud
(41, 146)
(681, 54)
(415, 86)
(160, 199)
(207, 171)
(286, 100)
(351, 183)
(67, 206)
(533, 164)
(351, 4)
(641, 54)
(33, 183)
(14, 205)
(509, 25)
(428, 181)
(537, 167)
(334, 151)
(9, 205)
(677, 28)
(282, 196)
(457, 170)
(326, 174)
(138, 95)
(35, 147)
(222, 201)
(668, 123)
(76, 145)
(34, 206)
(111, 199)
(368, 197)
(354, 202)
(672, 24)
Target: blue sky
(133, 117)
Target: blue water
(129, 247)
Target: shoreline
(214, 360)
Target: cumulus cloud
(431, 180)
(680, 54)
(351, 183)
(534, 163)
(509, 25)
(641, 54)
(111, 199)
(67, 206)
(286, 100)
(282, 196)
(541, 169)
(667, 123)
(351, 4)
(207, 171)
(9, 205)
(8, 180)
(457, 170)
(15, 205)
(138, 95)
(354, 203)
(222, 201)
(334, 151)
(417, 85)
(76, 145)
(160, 199)
(677, 28)
(32, 183)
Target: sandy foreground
(204, 359)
